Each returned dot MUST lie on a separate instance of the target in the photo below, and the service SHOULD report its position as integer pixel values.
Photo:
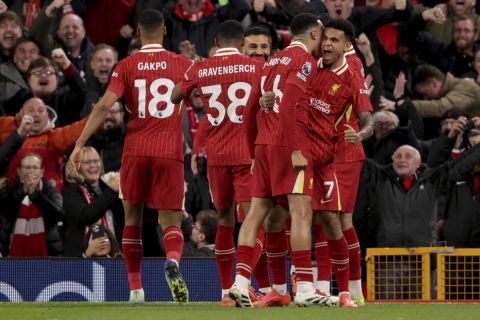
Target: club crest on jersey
(307, 68)
(333, 90)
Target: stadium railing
(423, 274)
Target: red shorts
(156, 181)
(326, 193)
(229, 183)
(348, 176)
(273, 174)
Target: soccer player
(349, 157)
(337, 92)
(257, 42)
(286, 74)
(152, 161)
(225, 82)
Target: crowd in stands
(419, 185)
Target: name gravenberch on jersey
(237, 68)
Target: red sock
(277, 256)
(173, 243)
(133, 251)
(339, 258)
(259, 245)
(244, 261)
(303, 265)
(225, 254)
(324, 267)
(288, 227)
(353, 253)
(261, 271)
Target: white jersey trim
(152, 48)
(298, 44)
(226, 52)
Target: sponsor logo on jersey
(364, 91)
(334, 88)
(320, 105)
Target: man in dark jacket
(400, 200)
(400, 204)
(459, 222)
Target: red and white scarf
(106, 219)
(29, 232)
(207, 10)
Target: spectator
(368, 19)
(13, 73)
(405, 60)
(114, 18)
(102, 61)
(474, 74)
(33, 207)
(459, 226)
(202, 242)
(439, 20)
(441, 93)
(444, 92)
(198, 21)
(90, 199)
(43, 82)
(100, 242)
(389, 134)
(109, 141)
(400, 200)
(456, 57)
(28, 10)
(70, 36)
(281, 12)
(197, 196)
(14, 142)
(51, 144)
(10, 32)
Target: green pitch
(210, 311)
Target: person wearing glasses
(202, 240)
(65, 95)
(91, 197)
(31, 208)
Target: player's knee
(226, 217)
(274, 225)
(303, 216)
(346, 222)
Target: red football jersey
(330, 94)
(354, 62)
(225, 82)
(347, 152)
(293, 65)
(147, 79)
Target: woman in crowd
(91, 197)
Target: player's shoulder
(178, 58)
(247, 60)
